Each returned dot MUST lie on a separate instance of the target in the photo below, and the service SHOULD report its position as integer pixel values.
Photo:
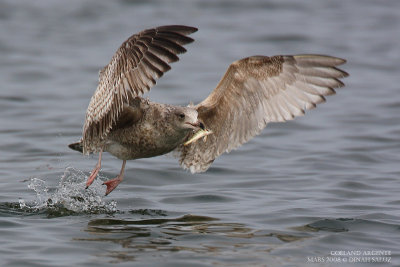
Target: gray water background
(326, 182)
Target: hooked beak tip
(197, 125)
(201, 125)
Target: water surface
(300, 191)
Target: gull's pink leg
(113, 183)
(95, 171)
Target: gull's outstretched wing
(132, 71)
(255, 91)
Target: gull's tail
(77, 146)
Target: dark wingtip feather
(345, 74)
(179, 28)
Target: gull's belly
(129, 151)
(127, 145)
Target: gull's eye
(181, 115)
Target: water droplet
(70, 196)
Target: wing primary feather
(174, 37)
(167, 49)
(156, 73)
(182, 29)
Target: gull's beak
(201, 125)
(198, 124)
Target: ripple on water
(190, 234)
(203, 198)
(196, 235)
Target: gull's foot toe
(112, 184)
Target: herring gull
(253, 92)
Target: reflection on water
(188, 233)
(194, 235)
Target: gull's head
(185, 118)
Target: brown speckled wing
(255, 91)
(132, 71)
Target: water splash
(69, 197)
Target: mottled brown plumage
(253, 92)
